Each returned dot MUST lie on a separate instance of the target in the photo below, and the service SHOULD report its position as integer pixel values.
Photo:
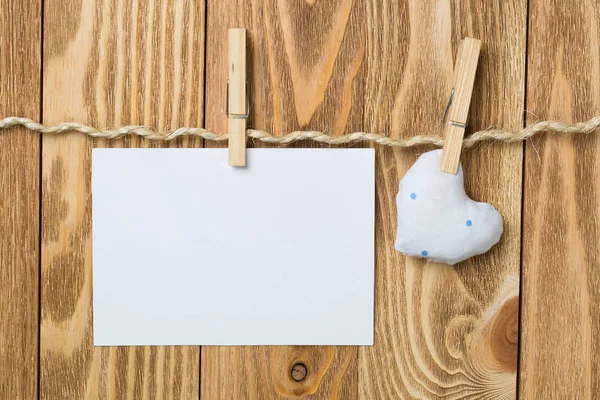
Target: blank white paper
(190, 251)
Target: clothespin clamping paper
(238, 106)
(457, 110)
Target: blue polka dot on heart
(469, 223)
(413, 196)
(424, 253)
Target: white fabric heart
(436, 218)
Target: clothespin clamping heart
(436, 218)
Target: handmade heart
(436, 218)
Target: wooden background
(520, 321)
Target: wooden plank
(304, 71)
(20, 50)
(444, 331)
(108, 63)
(560, 355)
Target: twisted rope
(481, 136)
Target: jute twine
(480, 136)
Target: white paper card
(188, 250)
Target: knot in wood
(298, 372)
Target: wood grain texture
(443, 331)
(108, 63)
(304, 68)
(20, 54)
(304, 63)
(560, 352)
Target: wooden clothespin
(238, 106)
(457, 110)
